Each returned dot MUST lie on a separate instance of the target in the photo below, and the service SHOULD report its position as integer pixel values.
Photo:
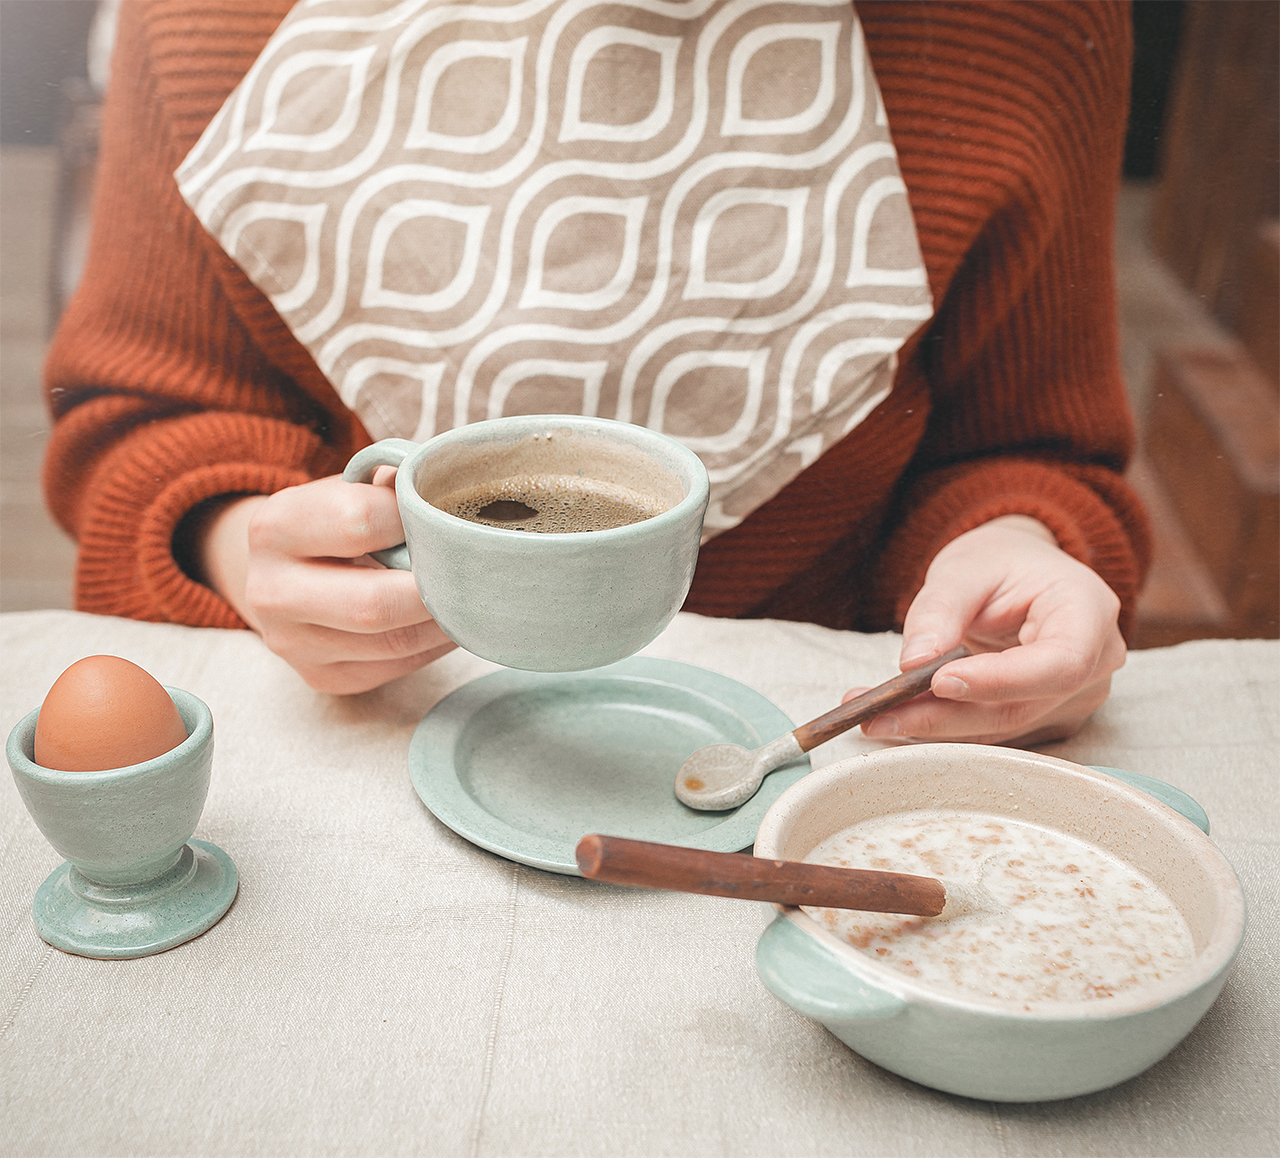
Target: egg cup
(134, 882)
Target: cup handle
(804, 974)
(1167, 794)
(361, 469)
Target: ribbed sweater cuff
(1085, 526)
(144, 490)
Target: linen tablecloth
(382, 986)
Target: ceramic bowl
(984, 1048)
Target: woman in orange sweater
(196, 440)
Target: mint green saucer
(77, 915)
(524, 764)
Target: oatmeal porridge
(1068, 923)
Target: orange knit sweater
(172, 380)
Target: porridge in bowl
(1062, 920)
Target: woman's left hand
(1043, 627)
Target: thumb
(942, 611)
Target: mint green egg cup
(134, 882)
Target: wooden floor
(36, 558)
(1155, 311)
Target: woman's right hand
(294, 565)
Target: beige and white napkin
(686, 214)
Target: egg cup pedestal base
(80, 916)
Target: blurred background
(1198, 262)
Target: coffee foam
(555, 504)
(556, 452)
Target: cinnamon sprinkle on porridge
(1071, 922)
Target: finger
(1065, 645)
(349, 678)
(327, 518)
(1026, 722)
(308, 645)
(342, 596)
(853, 694)
(1064, 721)
(1047, 669)
(928, 718)
(941, 612)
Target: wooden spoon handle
(733, 874)
(888, 695)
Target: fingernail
(950, 687)
(918, 648)
(882, 728)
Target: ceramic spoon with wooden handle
(722, 776)
(621, 861)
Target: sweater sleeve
(1028, 412)
(160, 395)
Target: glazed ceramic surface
(546, 602)
(986, 1049)
(524, 764)
(134, 882)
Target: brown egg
(105, 712)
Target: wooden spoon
(722, 776)
(734, 874)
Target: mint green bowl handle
(1167, 794)
(801, 971)
(361, 469)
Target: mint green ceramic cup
(545, 602)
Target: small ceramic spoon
(722, 776)
(734, 874)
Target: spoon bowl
(723, 776)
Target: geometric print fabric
(687, 215)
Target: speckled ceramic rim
(666, 451)
(20, 749)
(1216, 956)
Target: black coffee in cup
(551, 504)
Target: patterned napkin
(687, 215)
